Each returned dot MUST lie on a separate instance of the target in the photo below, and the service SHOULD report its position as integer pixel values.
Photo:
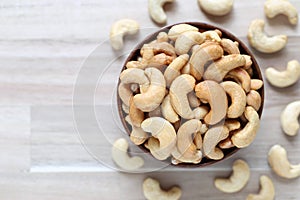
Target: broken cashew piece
(187, 40)
(176, 30)
(121, 157)
(289, 118)
(156, 10)
(267, 191)
(284, 78)
(216, 7)
(121, 28)
(237, 180)
(275, 7)
(168, 111)
(280, 164)
(138, 135)
(152, 191)
(263, 43)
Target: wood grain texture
(44, 46)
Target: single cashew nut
(218, 69)
(285, 78)
(200, 112)
(152, 191)
(138, 135)
(240, 76)
(289, 118)
(164, 132)
(156, 10)
(256, 84)
(216, 7)
(280, 164)
(267, 191)
(162, 37)
(238, 99)
(155, 93)
(135, 114)
(168, 111)
(245, 136)
(193, 100)
(215, 95)
(254, 99)
(186, 40)
(178, 29)
(179, 90)
(263, 43)
(206, 52)
(214, 36)
(121, 158)
(157, 48)
(237, 180)
(121, 28)
(229, 46)
(276, 7)
(125, 94)
(226, 144)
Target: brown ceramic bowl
(202, 27)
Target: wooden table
(46, 45)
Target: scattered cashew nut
(289, 118)
(156, 10)
(216, 7)
(267, 191)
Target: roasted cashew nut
(121, 158)
(187, 40)
(263, 43)
(245, 136)
(156, 10)
(280, 164)
(289, 118)
(216, 7)
(152, 191)
(229, 46)
(164, 132)
(238, 99)
(215, 95)
(179, 90)
(267, 191)
(121, 28)
(176, 30)
(254, 99)
(240, 76)
(276, 7)
(284, 78)
(237, 180)
(138, 135)
(168, 111)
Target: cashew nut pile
(189, 95)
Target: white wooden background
(43, 44)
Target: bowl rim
(201, 26)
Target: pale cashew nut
(179, 90)
(245, 136)
(280, 164)
(218, 69)
(121, 157)
(276, 7)
(135, 114)
(226, 144)
(157, 48)
(216, 7)
(125, 93)
(173, 70)
(155, 93)
(186, 40)
(138, 135)
(263, 43)
(164, 132)
(214, 36)
(256, 84)
(254, 99)
(162, 37)
(193, 100)
(240, 76)
(289, 118)
(237, 180)
(215, 95)
(121, 28)
(229, 46)
(200, 112)
(178, 29)
(284, 78)
(206, 52)
(156, 10)
(168, 111)
(248, 62)
(238, 99)
(152, 191)
(267, 191)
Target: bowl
(135, 53)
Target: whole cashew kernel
(178, 29)
(256, 84)
(218, 69)
(164, 132)
(215, 95)
(237, 180)
(276, 7)
(289, 118)
(168, 111)
(254, 99)
(121, 158)
(245, 136)
(238, 99)
(216, 7)
(121, 28)
(159, 47)
(152, 191)
(138, 135)
(280, 164)
(156, 10)
(229, 46)
(186, 40)
(155, 93)
(267, 191)
(263, 43)
(285, 78)
(240, 76)
(162, 37)
(179, 90)
(134, 75)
